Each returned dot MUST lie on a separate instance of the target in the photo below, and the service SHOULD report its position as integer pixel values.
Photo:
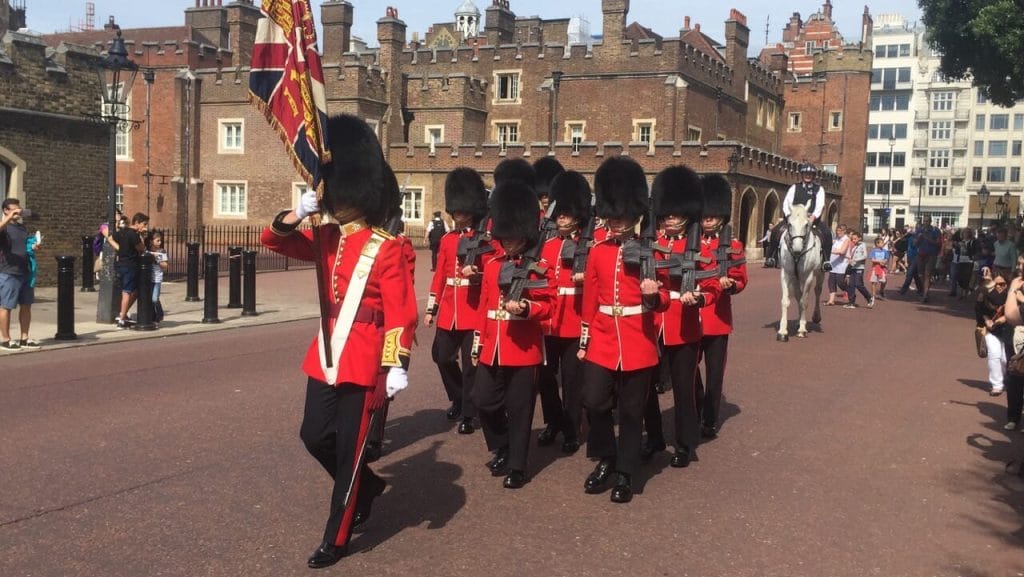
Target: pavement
(281, 296)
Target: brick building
(53, 156)
(475, 90)
(827, 91)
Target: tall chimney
(391, 37)
(499, 23)
(336, 16)
(242, 18)
(737, 39)
(614, 23)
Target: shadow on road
(427, 491)
(401, 432)
(976, 384)
(1007, 486)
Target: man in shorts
(15, 289)
(129, 246)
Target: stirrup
(770, 262)
(826, 266)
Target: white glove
(308, 204)
(397, 380)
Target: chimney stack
(737, 39)
(499, 23)
(336, 16)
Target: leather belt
(569, 290)
(452, 281)
(503, 315)
(620, 311)
(369, 316)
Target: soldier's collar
(350, 228)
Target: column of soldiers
(585, 308)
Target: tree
(982, 40)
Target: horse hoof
(782, 338)
(816, 319)
(802, 335)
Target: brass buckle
(616, 310)
(501, 315)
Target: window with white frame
(643, 131)
(412, 204)
(976, 174)
(693, 134)
(230, 140)
(575, 132)
(997, 148)
(939, 158)
(119, 197)
(769, 120)
(1018, 121)
(835, 120)
(506, 132)
(979, 148)
(122, 138)
(761, 109)
(506, 86)
(794, 121)
(298, 189)
(1014, 174)
(231, 199)
(943, 219)
(995, 174)
(999, 122)
(433, 135)
(942, 101)
(942, 130)
(1015, 148)
(938, 187)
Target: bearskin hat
(357, 176)
(514, 211)
(717, 196)
(464, 191)
(546, 168)
(515, 169)
(677, 191)
(621, 188)
(570, 192)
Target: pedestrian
(928, 242)
(963, 263)
(155, 247)
(838, 261)
(373, 321)
(435, 232)
(989, 314)
(879, 259)
(1013, 338)
(509, 346)
(571, 194)
(913, 270)
(855, 272)
(129, 246)
(16, 290)
(1004, 253)
(454, 299)
(619, 338)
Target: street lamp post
(1004, 216)
(888, 194)
(921, 174)
(982, 201)
(116, 74)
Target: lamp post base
(108, 301)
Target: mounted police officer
(812, 194)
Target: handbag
(979, 341)
(1015, 366)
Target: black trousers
(709, 393)
(682, 361)
(1014, 397)
(334, 423)
(458, 382)
(601, 388)
(562, 412)
(433, 256)
(506, 397)
(653, 425)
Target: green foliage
(982, 40)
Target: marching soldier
(619, 335)
(508, 348)
(362, 264)
(454, 299)
(571, 194)
(678, 203)
(716, 317)
(811, 194)
(546, 168)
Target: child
(879, 260)
(858, 256)
(156, 248)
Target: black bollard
(66, 298)
(210, 262)
(145, 313)
(249, 294)
(234, 277)
(192, 273)
(88, 274)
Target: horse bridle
(788, 236)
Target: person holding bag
(989, 314)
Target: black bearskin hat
(514, 212)
(621, 188)
(464, 191)
(570, 192)
(677, 191)
(515, 169)
(717, 196)
(546, 168)
(357, 177)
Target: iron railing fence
(218, 239)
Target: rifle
(518, 277)
(686, 266)
(725, 250)
(582, 251)
(470, 249)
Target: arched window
(12, 171)
(5, 179)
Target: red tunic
(506, 340)
(382, 323)
(717, 316)
(681, 324)
(626, 343)
(457, 299)
(601, 234)
(565, 315)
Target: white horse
(800, 264)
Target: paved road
(870, 448)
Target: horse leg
(805, 295)
(816, 319)
(783, 334)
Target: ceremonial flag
(286, 82)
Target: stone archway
(772, 210)
(748, 204)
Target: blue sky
(665, 18)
